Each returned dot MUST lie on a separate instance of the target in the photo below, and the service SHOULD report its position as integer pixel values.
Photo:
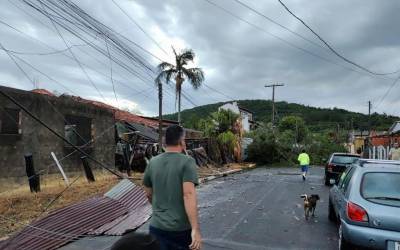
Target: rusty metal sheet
(128, 194)
(124, 207)
(131, 221)
(134, 198)
(67, 224)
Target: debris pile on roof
(124, 207)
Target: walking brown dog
(310, 203)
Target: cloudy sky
(239, 52)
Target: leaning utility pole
(273, 99)
(160, 120)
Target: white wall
(235, 109)
(231, 106)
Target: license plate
(397, 246)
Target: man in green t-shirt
(304, 161)
(170, 179)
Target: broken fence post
(34, 179)
(60, 168)
(88, 170)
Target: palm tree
(180, 73)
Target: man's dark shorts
(172, 240)
(304, 168)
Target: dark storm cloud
(238, 59)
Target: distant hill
(317, 119)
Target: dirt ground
(19, 207)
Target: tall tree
(180, 72)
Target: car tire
(331, 212)
(327, 180)
(343, 244)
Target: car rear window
(344, 159)
(382, 188)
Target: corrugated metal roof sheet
(120, 189)
(66, 224)
(124, 207)
(130, 221)
(143, 131)
(134, 198)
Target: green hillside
(316, 118)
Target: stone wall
(38, 140)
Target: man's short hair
(173, 135)
(303, 150)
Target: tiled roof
(120, 115)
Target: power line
(73, 55)
(388, 91)
(51, 104)
(332, 49)
(98, 26)
(138, 25)
(286, 41)
(278, 24)
(90, 26)
(43, 53)
(279, 38)
(219, 92)
(111, 73)
(70, 57)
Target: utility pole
(369, 117)
(273, 86)
(160, 120)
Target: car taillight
(330, 167)
(356, 213)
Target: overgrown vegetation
(284, 142)
(222, 129)
(317, 119)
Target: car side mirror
(332, 181)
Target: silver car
(366, 205)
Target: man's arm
(147, 183)
(149, 193)
(190, 201)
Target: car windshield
(344, 159)
(383, 188)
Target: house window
(10, 121)
(78, 129)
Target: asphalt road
(258, 209)
(262, 209)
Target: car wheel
(331, 212)
(327, 179)
(343, 244)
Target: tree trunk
(179, 81)
(160, 121)
(179, 107)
